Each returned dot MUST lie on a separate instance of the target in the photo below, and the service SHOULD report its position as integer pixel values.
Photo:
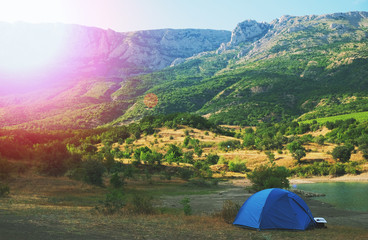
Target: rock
(248, 31)
(111, 53)
(307, 194)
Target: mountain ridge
(260, 72)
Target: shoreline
(363, 177)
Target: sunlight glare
(28, 48)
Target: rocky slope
(87, 51)
(270, 71)
(259, 72)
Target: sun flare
(29, 48)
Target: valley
(267, 105)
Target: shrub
(342, 153)
(352, 168)
(76, 174)
(185, 173)
(113, 203)
(337, 169)
(229, 145)
(270, 155)
(117, 180)
(186, 141)
(306, 138)
(151, 158)
(142, 204)
(4, 190)
(223, 160)
(53, 159)
(166, 175)
(94, 170)
(173, 154)
(185, 202)
(198, 183)
(198, 150)
(269, 176)
(188, 157)
(212, 159)
(297, 150)
(237, 166)
(229, 211)
(129, 140)
(138, 152)
(5, 168)
(109, 161)
(320, 140)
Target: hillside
(287, 69)
(315, 66)
(74, 82)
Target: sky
(132, 15)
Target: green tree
(320, 140)
(269, 176)
(342, 153)
(173, 154)
(94, 169)
(198, 150)
(212, 159)
(297, 150)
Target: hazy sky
(130, 15)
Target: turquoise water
(344, 195)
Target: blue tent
(275, 208)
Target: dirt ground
(59, 208)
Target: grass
(66, 208)
(360, 116)
(84, 223)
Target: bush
(203, 168)
(212, 159)
(229, 211)
(185, 202)
(113, 203)
(316, 169)
(199, 183)
(117, 180)
(142, 204)
(352, 168)
(5, 169)
(188, 157)
(198, 150)
(185, 173)
(237, 166)
(76, 174)
(229, 145)
(54, 158)
(109, 161)
(320, 140)
(337, 169)
(94, 169)
(269, 176)
(4, 190)
(342, 153)
(129, 140)
(297, 150)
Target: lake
(344, 195)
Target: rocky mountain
(294, 65)
(271, 71)
(75, 51)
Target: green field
(360, 116)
